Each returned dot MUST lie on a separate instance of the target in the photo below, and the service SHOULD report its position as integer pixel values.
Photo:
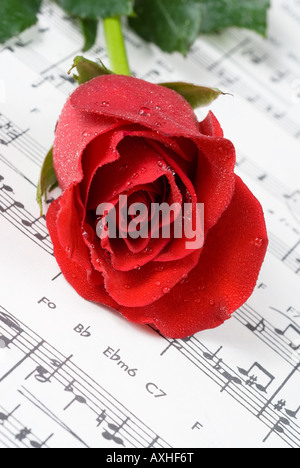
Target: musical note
(260, 327)
(101, 417)
(6, 188)
(13, 325)
(27, 223)
(230, 378)
(80, 399)
(211, 357)
(41, 237)
(278, 427)
(41, 374)
(253, 378)
(115, 430)
(176, 344)
(293, 414)
(44, 376)
(292, 344)
(12, 205)
(4, 417)
(35, 444)
(19, 363)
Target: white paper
(73, 374)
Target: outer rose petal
(137, 101)
(74, 131)
(88, 283)
(215, 178)
(224, 278)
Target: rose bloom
(120, 135)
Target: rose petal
(87, 282)
(137, 101)
(74, 131)
(215, 179)
(69, 218)
(223, 279)
(141, 287)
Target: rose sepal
(48, 180)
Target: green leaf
(197, 96)
(16, 16)
(48, 180)
(95, 9)
(89, 29)
(87, 70)
(173, 25)
(219, 14)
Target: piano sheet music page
(74, 374)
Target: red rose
(123, 136)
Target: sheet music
(75, 375)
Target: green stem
(116, 46)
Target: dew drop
(127, 286)
(212, 302)
(105, 104)
(258, 242)
(162, 165)
(166, 290)
(143, 170)
(145, 111)
(158, 108)
(158, 283)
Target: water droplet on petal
(105, 104)
(166, 290)
(143, 170)
(127, 286)
(258, 242)
(197, 301)
(145, 111)
(162, 165)
(212, 302)
(158, 108)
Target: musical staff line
(242, 386)
(231, 73)
(126, 428)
